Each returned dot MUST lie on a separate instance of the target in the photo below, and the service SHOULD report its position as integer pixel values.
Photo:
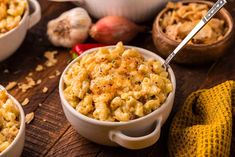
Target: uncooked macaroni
(116, 84)
(9, 120)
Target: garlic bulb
(69, 28)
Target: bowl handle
(35, 17)
(137, 142)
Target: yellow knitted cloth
(203, 126)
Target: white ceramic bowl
(16, 147)
(134, 134)
(135, 10)
(11, 40)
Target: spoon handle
(215, 8)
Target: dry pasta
(116, 84)
(11, 12)
(9, 121)
(181, 19)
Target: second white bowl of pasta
(118, 95)
(16, 17)
(12, 125)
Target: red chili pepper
(80, 48)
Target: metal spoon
(215, 8)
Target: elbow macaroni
(116, 84)
(9, 121)
(11, 12)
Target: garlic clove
(70, 28)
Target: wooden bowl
(193, 53)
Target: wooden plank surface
(50, 134)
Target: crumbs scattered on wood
(39, 68)
(45, 89)
(30, 83)
(57, 72)
(11, 85)
(51, 77)
(30, 74)
(25, 102)
(39, 81)
(50, 56)
(29, 117)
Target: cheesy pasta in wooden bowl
(177, 19)
(181, 18)
(116, 84)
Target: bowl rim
(26, 13)
(22, 126)
(66, 104)
(224, 12)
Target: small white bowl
(16, 147)
(135, 10)
(135, 134)
(11, 40)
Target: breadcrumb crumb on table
(39, 68)
(30, 74)
(11, 85)
(51, 77)
(25, 86)
(45, 89)
(57, 72)
(25, 102)
(50, 55)
(39, 81)
(29, 117)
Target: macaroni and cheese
(181, 18)
(116, 84)
(11, 12)
(9, 120)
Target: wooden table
(50, 134)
